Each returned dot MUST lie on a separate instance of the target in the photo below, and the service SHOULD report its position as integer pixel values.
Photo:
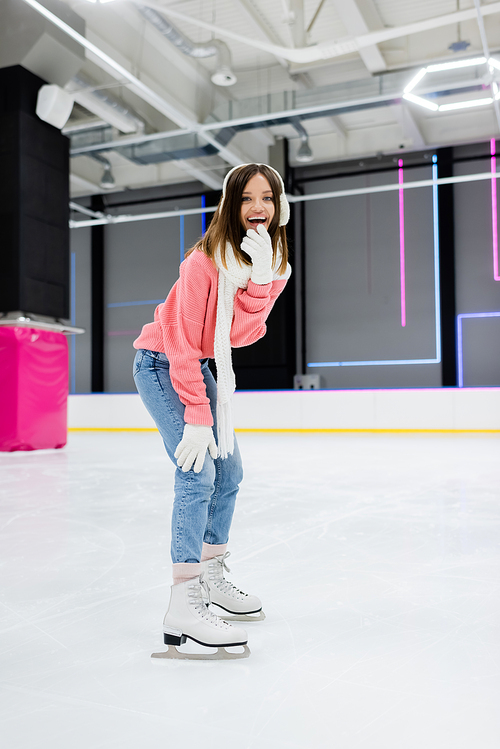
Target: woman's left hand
(258, 245)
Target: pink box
(33, 389)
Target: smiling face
(257, 203)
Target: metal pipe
(84, 126)
(329, 108)
(126, 218)
(223, 75)
(86, 211)
(106, 106)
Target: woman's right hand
(192, 448)
(257, 244)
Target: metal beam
(328, 109)
(80, 183)
(119, 72)
(409, 125)
(205, 177)
(339, 128)
(353, 20)
(335, 48)
(391, 187)
(254, 16)
(298, 24)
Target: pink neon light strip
(494, 209)
(402, 244)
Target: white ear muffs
(284, 205)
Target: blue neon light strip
(460, 358)
(72, 387)
(203, 217)
(437, 299)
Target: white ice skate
(236, 605)
(188, 617)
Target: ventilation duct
(223, 75)
(349, 96)
(105, 106)
(169, 149)
(285, 107)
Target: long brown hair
(226, 223)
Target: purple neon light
(402, 243)
(460, 347)
(494, 209)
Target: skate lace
(199, 599)
(216, 567)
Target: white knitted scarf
(232, 278)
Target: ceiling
(330, 74)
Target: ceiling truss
(332, 43)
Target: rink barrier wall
(411, 410)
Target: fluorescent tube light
(415, 80)
(494, 63)
(456, 64)
(421, 102)
(465, 104)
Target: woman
(228, 284)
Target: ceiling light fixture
(415, 80)
(223, 76)
(465, 104)
(456, 64)
(107, 180)
(422, 102)
(304, 154)
(439, 67)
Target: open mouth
(257, 220)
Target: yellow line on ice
(304, 431)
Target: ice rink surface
(377, 558)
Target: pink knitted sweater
(184, 328)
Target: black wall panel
(34, 203)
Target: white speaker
(54, 105)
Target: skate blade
(259, 616)
(221, 654)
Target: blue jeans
(203, 502)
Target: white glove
(258, 245)
(193, 447)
